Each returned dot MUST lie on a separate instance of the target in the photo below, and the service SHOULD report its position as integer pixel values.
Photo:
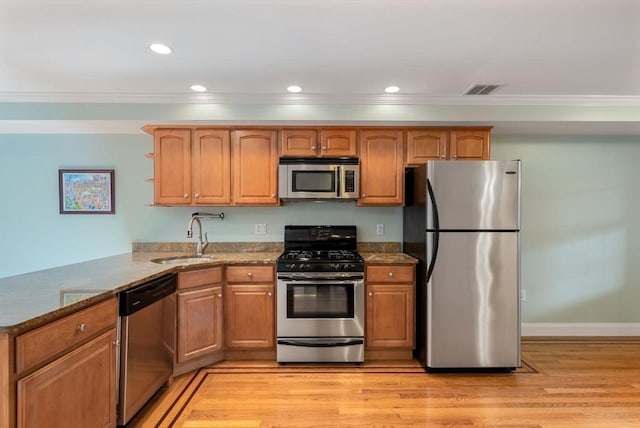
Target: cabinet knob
(390, 274)
(186, 195)
(324, 147)
(364, 195)
(220, 296)
(454, 156)
(249, 274)
(313, 147)
(269, 294)
(273, 195)
(81, 327)
(197, 195)
(370, 293)
(443, 156)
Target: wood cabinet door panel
(255, 167)
(77, 390)
(426, 144)
(338, 142)
(469, 144)
(172, 166)
(249, 316)
(211, 156)
(298, 142)
(199, 323)
(390, 316)
(381, 167)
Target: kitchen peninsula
(57, 321)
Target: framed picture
(87, 191)
(69, 297)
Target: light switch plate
(260, 229)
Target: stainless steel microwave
(318, 178)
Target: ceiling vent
(482, 89)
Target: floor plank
(564, 382)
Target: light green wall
(580, 202)
(580, 228)
(35, 236)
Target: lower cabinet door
(199, 323)
(76, 390)
(249, 317)
(390, 316)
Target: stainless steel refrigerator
(462, 222)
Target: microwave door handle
(338, 181)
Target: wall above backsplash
(31, 223)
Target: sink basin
(182, 260)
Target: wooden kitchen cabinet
(250, 308)
(69, 368)
(172, 166)
(255, 167)
(192, 167)
(199, 318)
(381, 167)
(425, 144)
(211, 160)
(317, 143)
(78, 389)
(390, 294)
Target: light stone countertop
(35, 298)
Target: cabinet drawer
(390, 273)
(39, 345)
(250, 274)
(197, 278)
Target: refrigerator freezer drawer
(473, 307)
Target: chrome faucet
(201, 245)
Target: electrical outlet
(523, 295)
(379, 229)
(260, 229)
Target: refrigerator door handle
(436, 230)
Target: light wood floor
(563, 383)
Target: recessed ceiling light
(391, 89)
(294, 88)
(159, 48)
(198, 88)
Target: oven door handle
(321, 343)
(332, 280)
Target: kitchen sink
(182, 260)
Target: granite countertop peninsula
(35, 298)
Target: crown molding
(318, 99)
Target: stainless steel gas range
(320, 296)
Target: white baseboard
(580, 329)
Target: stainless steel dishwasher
(147, 332)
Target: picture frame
(86, 191)
(69, 297)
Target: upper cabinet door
(469, 144)
(255, 167)
(211, 154)
(381, 167)
(172, 166)
(426, 144)
(298, 142)
(338, 142)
